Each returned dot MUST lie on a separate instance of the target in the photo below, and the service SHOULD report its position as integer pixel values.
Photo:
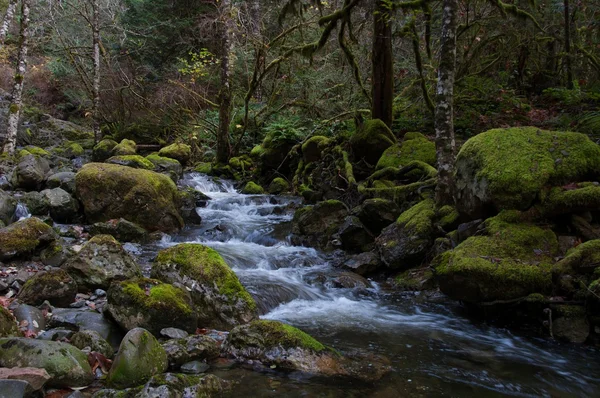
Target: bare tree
(444, 111)
(17, 92)
(7, 20)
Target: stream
(435, 351)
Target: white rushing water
(427, 342)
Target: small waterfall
(22, 212)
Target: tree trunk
(14, 111)
(96, 83)
(383, 66)
(568, 46)
(8, 17)
(223, 146)
(444, 112)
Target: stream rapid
(435, 350)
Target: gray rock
(121, 229)
(64, 180)
(56, 335)
(63, 207)
(67, 366)
(30, 173)
(354, 236)
(25, 237)
(37, 203)
(14, 389)
(54, 285)
(173, 333)
(8, 205)
(191, 348)
(194, 367)
(376, 214)
(93, 340)
(84, 319)
(30, 316)
(363, 263)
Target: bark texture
(14, 111)
(383, 66)
(96, 83)
(7, 20)
(444, 111)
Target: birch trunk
(96, 78)
(444, 111)
(7, 20)
(223, 146)
(383, 65)
(17, 92)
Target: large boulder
(8, 205)
(30, 172)
(512, 260)
(316, 225)
(371, 140)
(414, 147)
(25, 237)
(109, 191)
(101, 261)
(63, 207)
(180, 152)
(508, 168)
(66, 365)
(152, 305)
(140, 357)
(282, 346)
(220, 299)
(121, 229)
(55, 286)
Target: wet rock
(191, 348)
(167, 166)
(252, 188)
(37, 203)
(354, 236)
(64, 180)
(194, 367)
(571, 324)
(466, 230)
(124, 148)
(179, 152)
(144, 197)
(363, 263)
(25, 237)
(93, 340)
(66, 365)
(56, 335)
(278, 186)
(220, 299)
(152, 305)
(8, 324)
(55, 285)
(376, 214)
(101, 261)
(63, 207)
(189, 200)
(139, 358)
(172, 385)
(36, 378)
(315, 225)
(371, 140)
(103, 150)
(14, 389)
(30, 173)
(121, 229)
(508, 168)
(405, 243)
(54, 255)
(350, 280)
(173, 333)
(8, 205)
(31, 318)
(85, 319)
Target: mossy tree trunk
(7, 20)
(17, 92)
(568, 46)
(383, 65)
(444, 111)
(226, 23)
(96, 83)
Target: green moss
(419, 218)
(399, 155)
(181, 152)
(152, 294)
(565, 201)
(23, 153)
(313, 148)
(584, 258)
(513, 165)
(8, 324)
(135, 161)
(157, 159)
(241, 163)
(37, 151)
(278, 185)
(69, 149)
(205, 265)
(204, 168)
(371, 140)
(277, 333)
(447, 215)
(125, 147)
(23, 236)
(257, 152)
(253, 188)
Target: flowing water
(434, 350)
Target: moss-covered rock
(377, 213)
(278, 186)
(66, 365)
(56, 286)
(191, 348)
(405, 243)
(241, 163)
(512, 260)
(168, 166)
(371, 140)
(8, 324)
(64, 180)
(103, 150)
(414, 147)
(507, 168)
(69, 149)
(316, 225)
(152, 305)
(8, 205)
(570, 199)
(221, 300)
(570, 324)
(30, 173)
(124, 148)
(203, 168)
(182, 385)
(36, 202)
(313, 148)
(25, 237)
(179, 152)
(252, 188)
(62, 206)
(121, 229)
(144, 197)
(37, 151)
(93, 340)
(257, 152)
(140, 357)
(100, 262)
(135, 161)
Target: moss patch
(277, 333)
(135, 161)
(371, 140)
(414, 147)
(253, 188)
(153, 294)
